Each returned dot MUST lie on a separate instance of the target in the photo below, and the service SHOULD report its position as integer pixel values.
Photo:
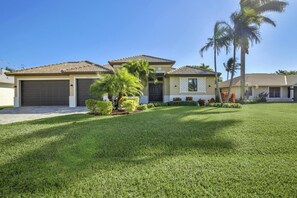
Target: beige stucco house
(68, 83)
(6, 89)
(280, 88)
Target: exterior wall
(176, 88)
(6, 94)
(235, 90)
(72, 81)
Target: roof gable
(150, 59)
(190, 71)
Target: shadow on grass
(88, 145)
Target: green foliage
(201, 102)
(225, 105)
(119, 84)
(142, 70)
(262, 97)
(150, 105)
(182, 103)
(91, 104)
(160, 104)
(203, 67)
(177, 99)
(129, 105)
(104, 107)
(286, 73)
(248, 101)
(125, 98)
(142, 107)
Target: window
(192, 84)
(274, 92)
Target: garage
(83, 90)
(45, 93)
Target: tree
(247, 23)
(219, 40)
(230, 67)
(121, 83)
(204, 67)
(285, 72)
(142, 70)
(9, 69)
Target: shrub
(142, 107)
(232, 98)
(231, 105)
(189, 98)
(159, 104)
(177, 99)
(104, 107)
(92, 106)
(248, 101)
(216, 104)
(201, 102)
(129, 105)
(262, 97)
(125, 98)
(150, 105)
(182, 103)
(212, 100)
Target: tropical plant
(119, 84)
(247, 23)
(142, 70)
(285, 72)
(204, 67)
(230, 67)
(219, 40)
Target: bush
(189, 98)
(225, 105)
(142, 107)
(262, 97)
(248, 101)
(92, 106)
(212, 100)
(160, 104)
(150, 105)
(201, 102)
(129, 105)
(177, 99)
(125, 98)
(182, 103)
(104, 107)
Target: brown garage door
(45, 93)
(83, 91)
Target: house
(6, 89)
(280, 88)
(68, 83)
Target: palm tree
(219, 40)
(231, 67)
(142, 70)
(121, 83)
(247, 23)
(203, 66)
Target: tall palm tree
(219, 40)
(247, 23)
(231, 67)
(142, 70)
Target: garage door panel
(83, 91)
(45, 93)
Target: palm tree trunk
(216, 74)
(242, 72)
(227, 75)
(232, 69)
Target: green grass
(168, 151)
(5, 107)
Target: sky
(35, 33)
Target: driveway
(32, 113)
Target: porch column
(292, 92)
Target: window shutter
(202, 85)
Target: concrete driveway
(32, 113)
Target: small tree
(119, 84)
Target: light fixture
(175, 85)
(71, 85)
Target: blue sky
(35, 32)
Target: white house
(6, 89)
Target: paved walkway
(32, 113)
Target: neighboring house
(6, 89)
(280, 88)
(68, 83)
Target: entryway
(156, 92)
(295, 94)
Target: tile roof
(190, 70)
(150, 59)
(61, 68)
(263, 80)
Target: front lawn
(167, 151)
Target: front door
(155, 92)
(295, 94)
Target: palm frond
(272, 6)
